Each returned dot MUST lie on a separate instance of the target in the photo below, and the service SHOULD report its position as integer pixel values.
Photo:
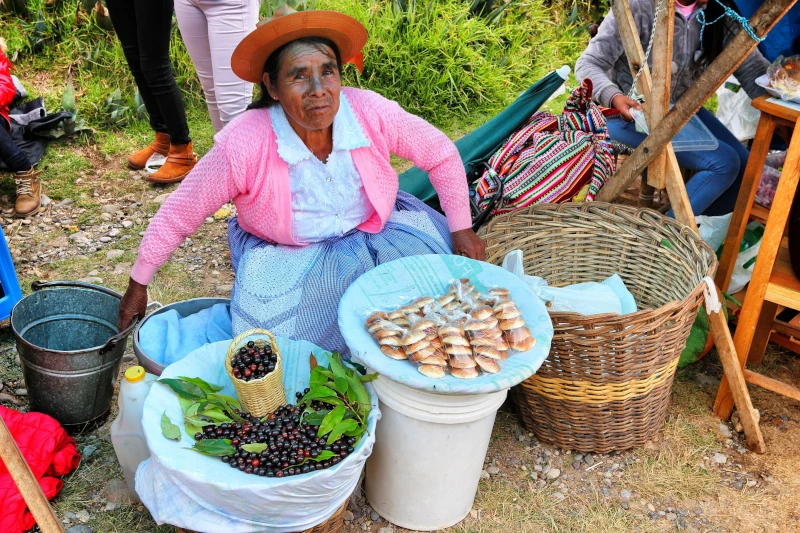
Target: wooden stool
(773, 283)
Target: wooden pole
(709, 81)
(661, 55)
(26, 483)
(633, 47)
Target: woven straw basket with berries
(254, 366)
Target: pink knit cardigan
(244, 166)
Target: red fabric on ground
(49, 451)
(7, 89)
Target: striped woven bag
(553, 158)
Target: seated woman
(309, 172)
(713, 189)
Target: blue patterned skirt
(294, 291)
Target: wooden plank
(763, 332)
(26, 483)
(676, 189)
(784, 296)
(738, 388)
(744, 201)
(784, 112)
(707, 83)
(632, 44)
(767, 254)
(661, 59)
(772, 384)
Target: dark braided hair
(714, 35)
(273, 63)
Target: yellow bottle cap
(134, 374)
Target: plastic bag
(515, 332)
(735, 110)
(784, 76)
(770, 175)
(458, 349)
(485, 350)
(584, 298)
(713, 231)
(198, 493)
(387, 334)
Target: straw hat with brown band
(287, 25)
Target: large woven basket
(606, 383)
(334, 524)
(258, 397)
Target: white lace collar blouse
(328, 199)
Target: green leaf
(68, 100)
(317, 393)
(192, 429)
(331, 420)
(204, 386)
(355, 432)
(216, 415)
(185, 403)
(324, 455)
(315, 418)
(361, 393)
(368, 377)
(192, 410)
(340, 384)
(230, 400)
(190, 391)
(255, 447)
(214, 447)
(336, 366)
(197, 421)
(170, 430)
(335, 401)
(340, 429)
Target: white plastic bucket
(429, 451)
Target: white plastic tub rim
(437, 408)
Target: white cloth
(328, 199)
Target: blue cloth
(294, 291)
(784, 38)
(713, 189)
(168, 337)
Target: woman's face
(308, 85)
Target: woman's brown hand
(623, 104)
(466, 243)
(133, 304)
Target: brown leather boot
(29, 193)
(160, 145)
(180, 160)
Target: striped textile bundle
(553, 158)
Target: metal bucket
(184, 309)
(70, 349)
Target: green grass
(439, 61)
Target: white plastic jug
(127, 435)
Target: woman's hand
(623, 104)
(465, 242)
(133, 304)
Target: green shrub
(454, 62)
(443, 63)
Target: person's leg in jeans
(10, 154)
(211, 30)
(716, 170)
(26, 178)
(725, 203)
